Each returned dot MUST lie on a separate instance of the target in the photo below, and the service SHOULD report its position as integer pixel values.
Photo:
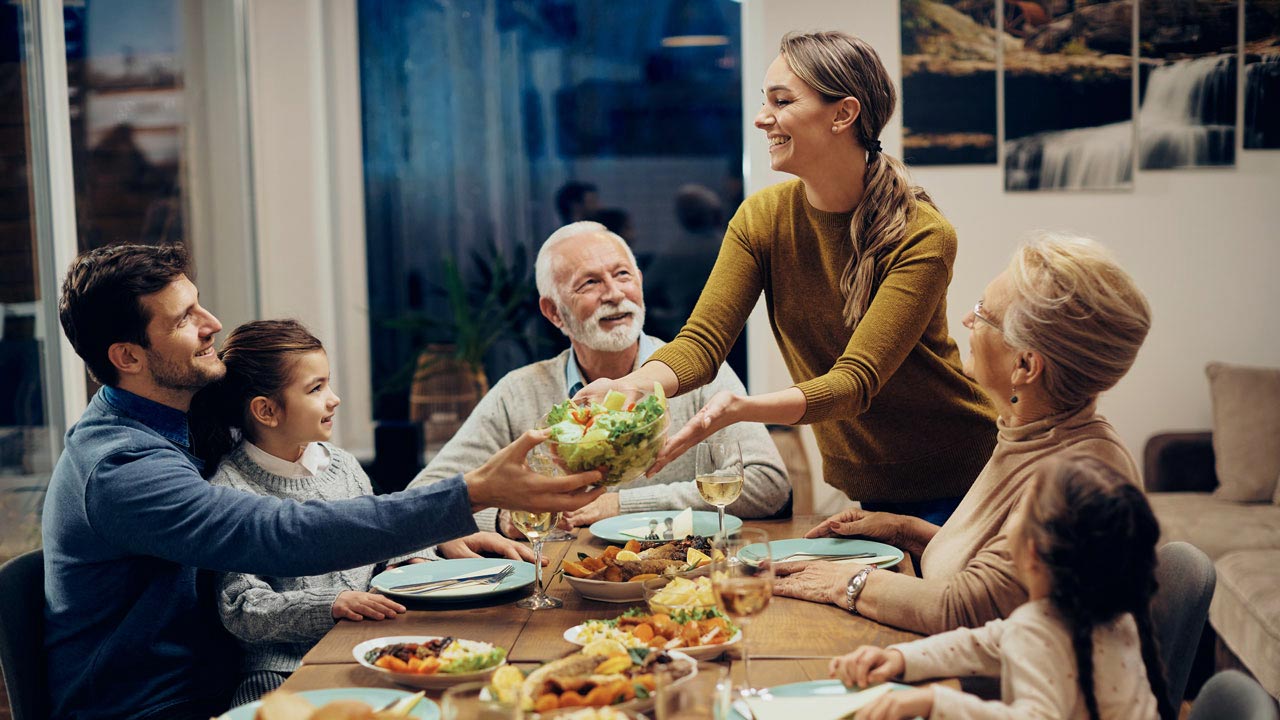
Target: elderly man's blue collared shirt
(573, 374)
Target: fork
(819, 556)
(428, 587)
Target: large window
(476, 115)
(26, 456)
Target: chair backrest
(22, 654)
(791, 447)
(1232, 694)
(1178, 612)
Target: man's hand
(719, 412)
(868, 665)
(900, 705)
(356, 605)
(606, 506)
(471, 546)
(506, 482)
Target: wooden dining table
(791, 641)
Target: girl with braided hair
(1084, 544)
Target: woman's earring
(1014, 398)
(835, 129)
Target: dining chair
(1232, 694)
(1186, 579)
(22, 635)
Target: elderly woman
(1059, 326)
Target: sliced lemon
(506, 683)
(614, 400)
(627, 556)
(697, 558)
(405, 706)
(604, 647)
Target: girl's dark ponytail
(1096, 536)
(1155, 666)
(259, 356)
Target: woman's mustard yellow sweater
(895, 417)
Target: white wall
(304, 100)
(1203, 244)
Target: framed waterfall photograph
(1068, 95)
(1261, 74)
(1188, 69)
(949, 82)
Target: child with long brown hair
(1084, 544)
(264, 428)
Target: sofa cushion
(1216, 526)
(1246, 431)
(1245, 612)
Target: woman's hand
(868, 665)
(859, 523)
(814, 580)
(719, 412)
(597, 389)
(900, 705)
(356, 605)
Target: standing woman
(854, 263)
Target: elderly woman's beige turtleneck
(967, 574)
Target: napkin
(474, 573)
(681, 526)
(815, 707)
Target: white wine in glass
(742, 581)
(718, 471)
(535, 526)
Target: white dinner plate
(429, 682)
(697, 652)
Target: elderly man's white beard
(590, 333)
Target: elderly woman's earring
(1014, 398)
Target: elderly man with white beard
(591, 289)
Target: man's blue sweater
(129, 520)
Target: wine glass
(536, 526)
(540, 461)
(743, 583)
(475, 701)
(719, 474)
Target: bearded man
(591, 289)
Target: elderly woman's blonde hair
(1075, 305)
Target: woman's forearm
(914, 534)
(646, 375)
(782, 407)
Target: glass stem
(720, 509)
(537, 567)
(746, 659)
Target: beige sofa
(1218, 491)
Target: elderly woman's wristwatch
(854, 589)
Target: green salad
(620, 439)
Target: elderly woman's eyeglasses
(978, 314)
